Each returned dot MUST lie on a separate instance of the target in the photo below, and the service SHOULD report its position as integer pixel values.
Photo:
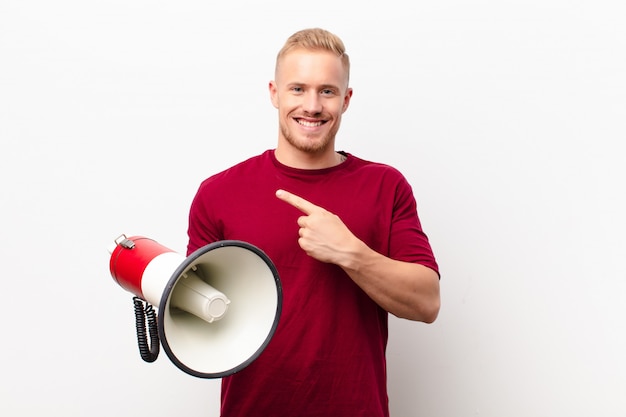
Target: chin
(313, 147)
(309, 145)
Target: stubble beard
(309, 146)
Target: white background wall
(508, 117)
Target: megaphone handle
(148, 354)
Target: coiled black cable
(148, 354)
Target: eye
(327, 92)
(296, 89)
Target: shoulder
(369, 169)
(241, 171)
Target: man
(346, 240)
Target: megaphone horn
(218, 308)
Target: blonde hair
(316, 39)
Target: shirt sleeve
(202, 229)
(408, 241)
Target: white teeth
(309, 124)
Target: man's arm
(404, 289)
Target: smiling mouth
(307, 123)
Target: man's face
(311, 93)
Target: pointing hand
(323, 235)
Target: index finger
(298, 202)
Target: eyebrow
(321, 87)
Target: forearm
(406, 290)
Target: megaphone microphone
(218, 308)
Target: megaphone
(218, 308)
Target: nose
(312, 103)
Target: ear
(346, 99)
(273, 93)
